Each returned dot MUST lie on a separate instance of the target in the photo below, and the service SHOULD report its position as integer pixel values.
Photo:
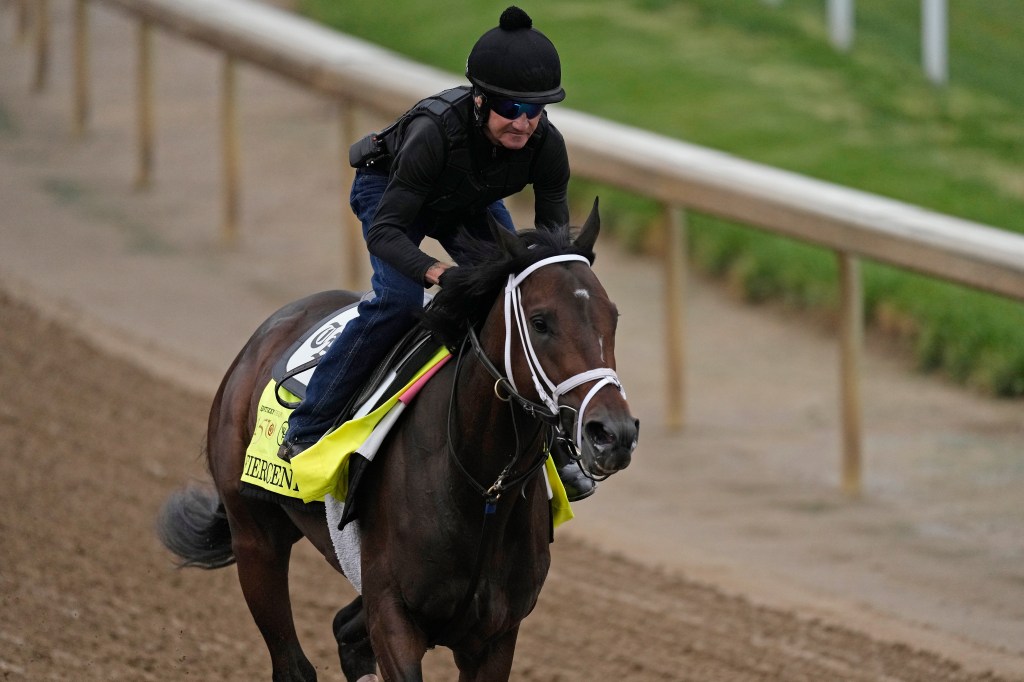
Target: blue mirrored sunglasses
(511, 109)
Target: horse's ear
(508, 240)
(588, 233)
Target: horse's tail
(192, 524)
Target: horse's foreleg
(399, 645)
(493, 664)
(263, 555)
(357, 659)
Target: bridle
(549, 392)
(566, 422)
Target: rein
(493, 493)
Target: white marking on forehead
(582, 293)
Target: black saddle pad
(294, 369)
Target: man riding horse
(437, 172)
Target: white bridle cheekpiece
(549, 392)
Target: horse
(454, 510)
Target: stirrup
(577, 484)
(289, 451)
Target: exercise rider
(439, 168)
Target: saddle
(268, 478)
(293, 370)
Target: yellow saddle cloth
(324, 467)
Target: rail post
(42, 67)
(841, 23)
(935, 40)
(81, 85)
(851, 340)
(350, 226)
(675, 316)
(229, 148)
(144, 101)
(24, 21)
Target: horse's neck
(492, 431)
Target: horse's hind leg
(357, 659)
(262, 550)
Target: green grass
(764, 83)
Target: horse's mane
(469, 291)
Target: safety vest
(462, 185)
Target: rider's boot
(576, 483)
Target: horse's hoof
(367, 678)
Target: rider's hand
(444, 275)
(435, 271)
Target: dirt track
(743, 499)
(87, 593)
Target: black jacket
(442, 168)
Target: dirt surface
(725, 552)
(88, 594)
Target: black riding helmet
(516, 61)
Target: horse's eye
(539, 324)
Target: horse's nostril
(599, 435)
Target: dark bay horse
(454, 510)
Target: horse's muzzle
(609, 443)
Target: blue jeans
(382, 322)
